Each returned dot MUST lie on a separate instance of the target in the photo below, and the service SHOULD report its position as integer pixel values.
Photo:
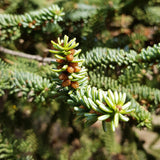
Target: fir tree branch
(90, 103)
(12, 25)
(25, 55)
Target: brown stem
(25, 55)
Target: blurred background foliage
(32, 124)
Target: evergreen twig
(26, 55)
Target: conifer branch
(25, 55)
(90, 103)
(11, 26)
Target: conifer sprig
(91, 104)
(106, 106)
(11, 25)
(69, 66)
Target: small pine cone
(66, 83)
(34, 22)
(70, 69)
(60, 60)
(73, 64)
(72, 51)
(77, 69)
(30, 25)
(63, 76)
(70, 57)
(82, 107)
(75, 84)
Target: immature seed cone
(72, 51)
(63, 76)
(60, 60)
(34, 22)
(70, 69)
(69, 57)
(77, 69)
(73, 64)
(66, 83)
(82, 107)
(75, 84)
(30, 25)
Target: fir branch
(25, 55)
(39, 17)
(89, 102)
(107, 57)
(94, 104)
(150, 54)
(11, 26)
(32, 86)
(11, 148)
(6, 149)
(140, 92)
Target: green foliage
(82, 12)
(21, 7)
(147, 13)
(109, 141)
(106, 106)
(86, 151)
(6, 149)
(113, 84)
(151, 54)
(14, 149)
(109, 57)
(3, 78)
(11, 25)
(31, 86)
